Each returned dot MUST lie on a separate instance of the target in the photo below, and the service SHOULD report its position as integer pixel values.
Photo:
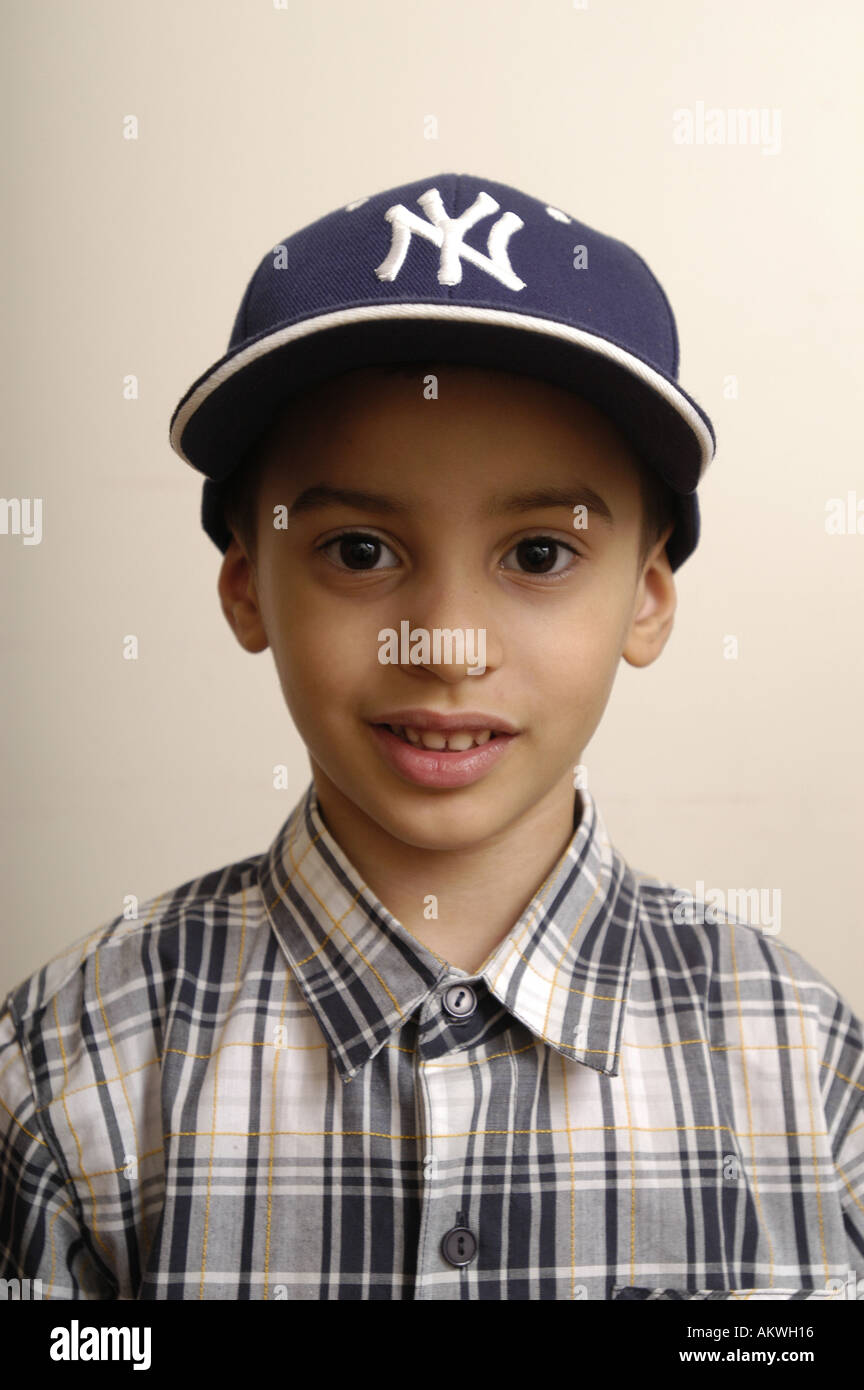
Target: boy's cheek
(326, 672)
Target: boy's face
(445, 546)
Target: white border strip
(466, 314)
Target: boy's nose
(448, 650)
(474, 661)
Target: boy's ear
(238, 594)
(654, 608)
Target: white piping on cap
(460, 312)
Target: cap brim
(227, 410)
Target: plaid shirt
(256, 1091)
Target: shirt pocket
(624, 1292)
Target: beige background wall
(130, 256)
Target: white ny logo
(448, 233)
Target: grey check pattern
(253, 1091)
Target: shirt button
(459, 1245)
(460, 1001)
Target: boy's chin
(443, 819)
(446, 822)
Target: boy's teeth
(456, 742)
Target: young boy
(438, 1041)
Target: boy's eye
(541, 554)
(357, 550)
(360, 550)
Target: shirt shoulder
(744, 924)
(144, 945)
(751, 982)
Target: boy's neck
(481, 893)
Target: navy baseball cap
(454, 268)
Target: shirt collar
(563, 970)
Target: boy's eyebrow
(322, 495)
(535, 498)
(311, 499)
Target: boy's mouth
(454, 740)
(443, 757)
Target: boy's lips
(433, 767)
(446, 723)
